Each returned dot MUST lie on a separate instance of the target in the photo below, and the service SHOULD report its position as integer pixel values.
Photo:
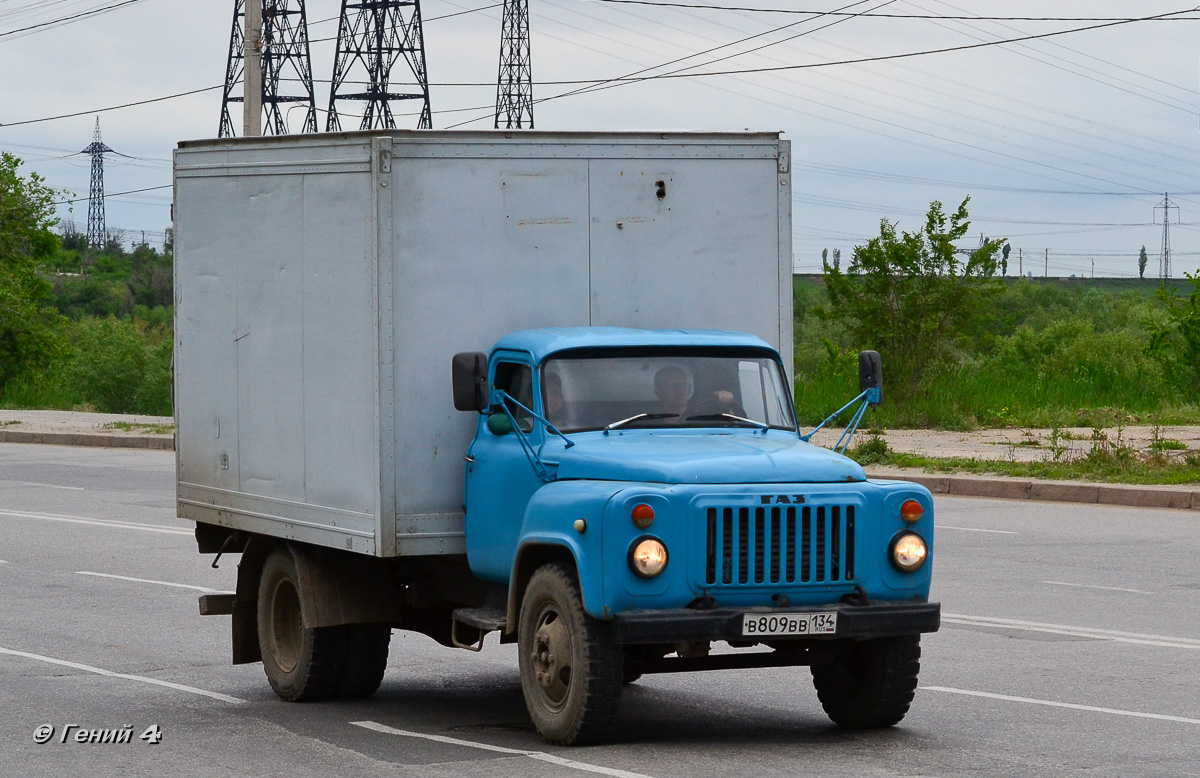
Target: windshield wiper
(639, 417)
(715, 416)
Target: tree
(1004, 259)
(912, 296)
(1176, 341)
(1142, 260)
(28, 323)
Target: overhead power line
(748, 9)
(113, 107)
(593, 85)
(68, 19)
(116, 194)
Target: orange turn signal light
(642, 515)
(911, 511)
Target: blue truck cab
(640, 495)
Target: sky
(1065, 144)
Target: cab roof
(542, 343)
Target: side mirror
(870, 375)
(470, 381)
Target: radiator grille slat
(779, 545)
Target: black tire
(301, 664)
(366, 659)
(870, 685)
(571, 669)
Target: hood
(701, 457)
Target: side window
(517, 381)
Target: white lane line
(145, 580)
(975, 529)
(1064, 629)
(1093, 586)
(539, 755)
(111, 523)
(126, 676)
(1053, 704)
(50, 486)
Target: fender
(548, 534)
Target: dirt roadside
(1009, 444)
(1020, 445)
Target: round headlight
(909, 552)
(911, 511)
(647, 557)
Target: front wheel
(571, 669)
(871, 684)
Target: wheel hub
(551, 656)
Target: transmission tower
(373, 37)
(95, 229)
(514, 85)
(1164, 255)
(285, 59)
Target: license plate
(789, 624)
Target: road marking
(1063, 629)
(974, 529)
(50, 486)
(1071, 705)
(3, 561)
(126, 676)
(145, 580)
(1093, 586)
(111, 523)
(539, 755)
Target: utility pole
(1047, 271)
(1021, 261)
(374, 37)
(1093, 268)
(514, 85)
(1164, 255)
(96, 230)
(252, 94)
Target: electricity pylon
(514, 85)
(95, 229)
(373, 37)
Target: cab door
(500, 478)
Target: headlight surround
(908, 552)
(647, 557)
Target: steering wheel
(711, 406)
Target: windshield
(676, 388)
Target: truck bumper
(880, 619)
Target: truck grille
(808, 544)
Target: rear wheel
(301, 664)
(571, 669)
(366, 659)
(872, 683)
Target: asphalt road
(1070, 645)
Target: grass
(152, 429)
(1105, 462)
(8, 423)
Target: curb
(1132, 495)
(155, 442)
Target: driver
(671, 388)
